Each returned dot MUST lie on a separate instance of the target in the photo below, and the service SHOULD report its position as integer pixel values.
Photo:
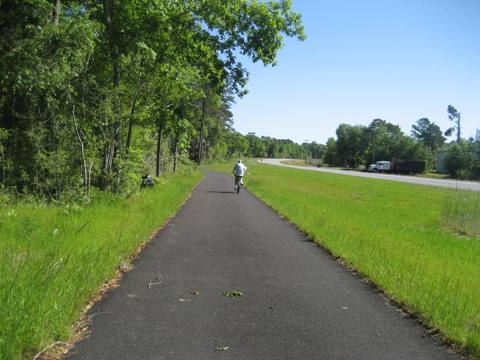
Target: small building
(440, 157)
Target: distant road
(453, 184)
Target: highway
(452, 184)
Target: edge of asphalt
(81, 327)
(402, 307)
(465, 185)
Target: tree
(428, 133)
(454, 116)
(256, 146)
(350, 145)
(98, 93)
(237, 145)
(476, 155)
(315, 150)
(330, 156)
(459, 160)
(388, 142)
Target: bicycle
(238, 184)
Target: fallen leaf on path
(232, 293)
(125, 267)
(222, 348)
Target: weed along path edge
(229, 278)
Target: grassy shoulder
(54, 259)
(319, 163)
(393, 234)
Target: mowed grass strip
(54, 259)
(393, 234)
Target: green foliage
(232, 293)
(237, 145)
(428, 133)
(97, 84)
(330, 156)
(350, 145)
(275, 148)
(314, 150)
(455, 117)
(381, 140)
(462, 159)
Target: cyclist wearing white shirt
(239, 170)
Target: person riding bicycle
(239, 170)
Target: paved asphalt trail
(297, 302)
(447, 183)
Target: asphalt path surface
(297, 302)
(452, 184)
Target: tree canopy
(101, 92)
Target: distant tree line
(98, 93)
(359, 145)
(251, 145)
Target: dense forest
(99, 93)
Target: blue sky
(399, 60)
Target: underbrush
(54, 258)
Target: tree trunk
(82, 150)
(56, 11)
(202, 132)
(114, 147)
(159, 150)
(130, 126)
(175, 146)
(89, 178)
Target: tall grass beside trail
(461, 213)
(393, 234)
(53, 259)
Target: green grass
(433, 175)
(294, 162)
(54, 259)
(461, 213)
(300, 162)
(393, 234)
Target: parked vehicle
(398, 166)
(380, 166)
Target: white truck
(380, 166)
(398, 166)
